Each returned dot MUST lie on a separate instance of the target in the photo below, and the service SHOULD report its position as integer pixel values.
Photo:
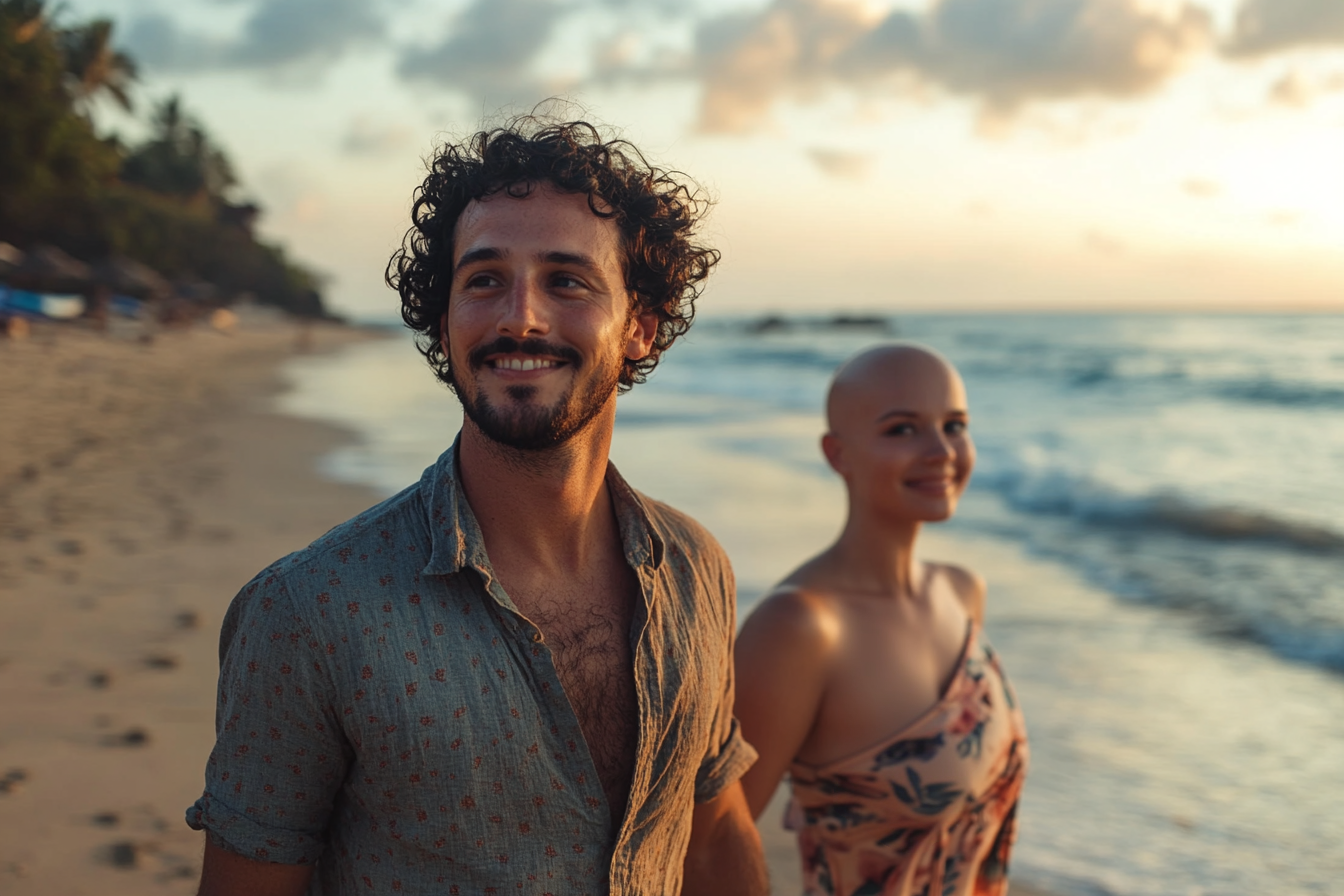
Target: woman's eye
(956, 427)
(901, 429)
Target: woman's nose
(939, 446)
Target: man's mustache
(508, 345)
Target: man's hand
(229, 874)
(725, 857)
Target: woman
(864, 675)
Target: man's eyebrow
(472, 256)
(576, 259)
(487, 253)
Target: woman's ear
(833, 448)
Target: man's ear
(643, 330)
(443, 335)
(833, 448)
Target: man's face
(538, 321)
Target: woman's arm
(782, 660)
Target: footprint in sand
(162, 661)
(12, 780)
(131, 737)
(122, 854)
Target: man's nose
(523, 312)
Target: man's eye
(482, 281)
(567, 281)
(901, 429)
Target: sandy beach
(140, 486)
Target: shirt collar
(456, 542)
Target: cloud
(747, 61)
(838, 163)
(1268, 26)
(1297, 90)
(368, 138)
(487, 51)
(1201, 188)
(278, 33)
(282, 31)
(1103, 243)
(1004, 53)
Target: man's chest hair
(590, 646)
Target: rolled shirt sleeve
(280, 752)
(729, 755)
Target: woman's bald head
(873, 378)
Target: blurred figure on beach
(865, 675)
(517, 673)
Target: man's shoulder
(392, 534)
(676, 527)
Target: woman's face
(900, 436)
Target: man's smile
(523, 364)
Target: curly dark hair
(656, 213)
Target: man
(516, 675)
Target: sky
(892, 155)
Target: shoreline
(140, 487)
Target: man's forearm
(725, 857)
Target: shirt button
(536, 636)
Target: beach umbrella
(10, 259)
(48, 269)
(126, 277)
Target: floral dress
(931, 811)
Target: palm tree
(180, 160)
(93, 66)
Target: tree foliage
(179, 160)
(93, 67)
(163, 202)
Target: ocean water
(1161, 496)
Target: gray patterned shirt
(386, 714)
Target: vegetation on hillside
(163, 203)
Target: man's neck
(549, 506)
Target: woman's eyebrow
(912, 415)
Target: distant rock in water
(771, 323)
(861, 322)
(776, 323)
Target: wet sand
(140, 486)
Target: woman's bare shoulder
(800, 612)
(796, 611)
(966, 584)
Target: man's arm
(725, 857)
(229, 874)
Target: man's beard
(532, 427)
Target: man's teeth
(522, 364)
